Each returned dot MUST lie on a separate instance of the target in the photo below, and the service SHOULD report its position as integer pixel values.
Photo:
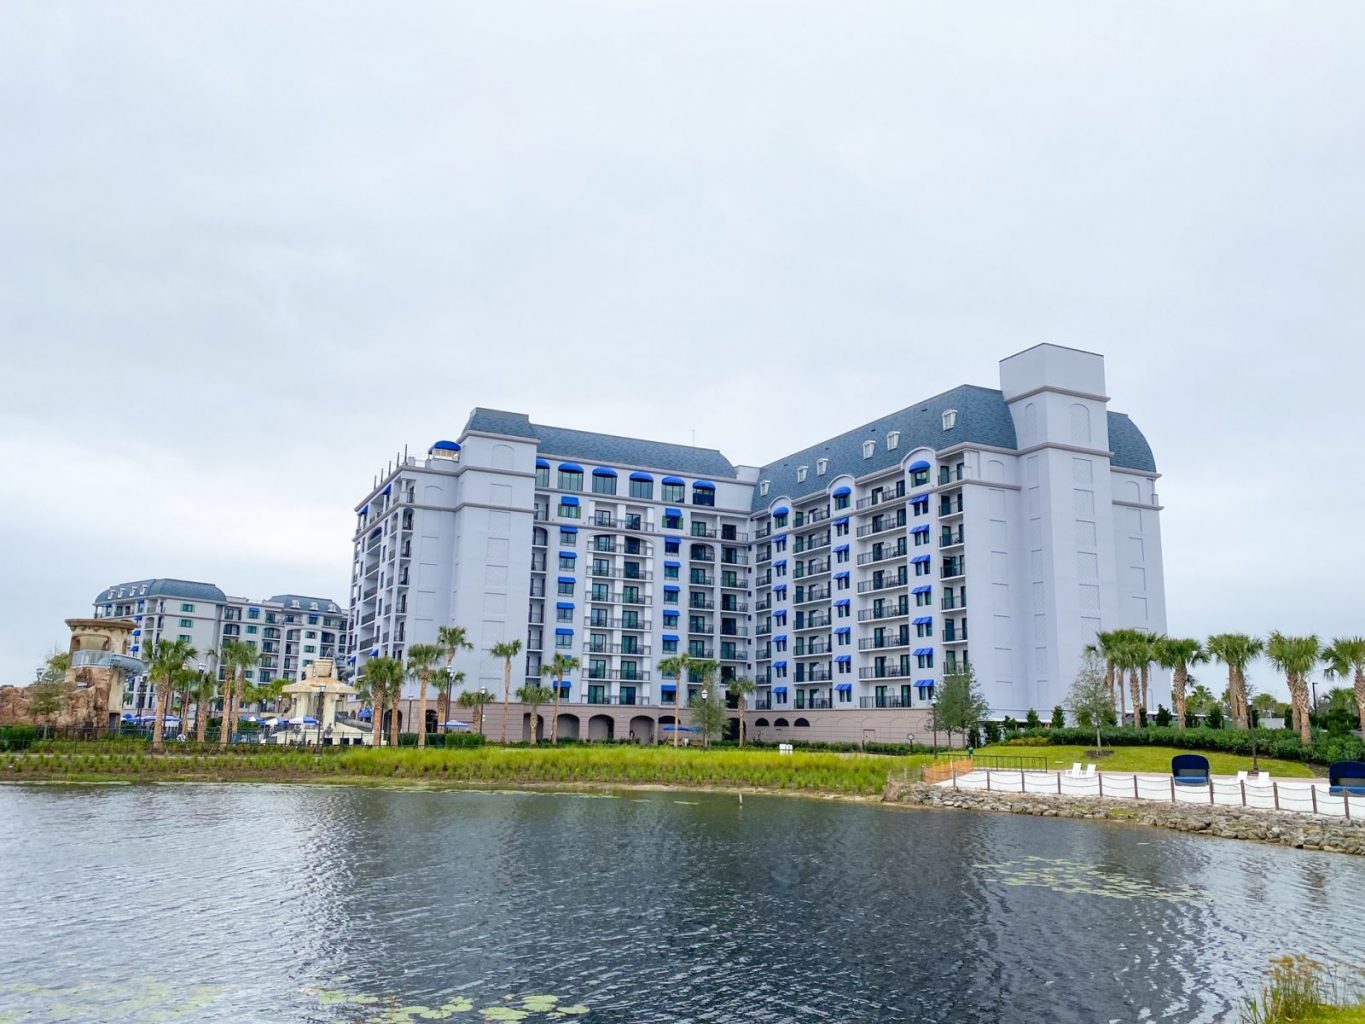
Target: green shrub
(1163, 717)
(17, 737)
(1031, 720)
(1058, 718)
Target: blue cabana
(1190, 769)
(1347, 777)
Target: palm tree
(443, 679)
(1296, 656)
(451, 640)
(1178, 654)
(204, 688)
(679, 666)
(741, 687)
(236, 657)
(1106, 645)
(422, 658)
(535, 695)
(474, 700)
(380, 677)
(705, 671)
(557, 669)
(1346, 657)
(1236, 651)
(167, 661)
(507, 650)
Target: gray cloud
(250, 250)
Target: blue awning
(839, 492)
(922, 528)
(365, 510)
(781, 638)
(841, 575)
(671, 545)
(780, 615)
(779, 664)
(676, 481)
(671, 588)
(781, 588)
(641, 476)
(703, 485)
(563, 631)
(567, 579)
(918, 559)
(388, 489)
(671, 636)
(844, 687)
(843, 602)
(918, 498)
(841, 521)
(780, 561)
(137, 632)
(921, 464)
(669, 688)
(567, 499)
(924, 620)
(843, 631)
(542, 464)
(672, 565)
(568, 554)
(780, 691)
(840, 547)
(781, 510)
(922, 651)
(924, 682)
(673, 512)
(602, 471)
(564, 604)
(922, 590)
(570, 467)
(567, 529)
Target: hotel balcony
(950, 506)
(812, 543)
(953, 568)
(814, 622)
(883, 702)
(872, 643)
(639, 652)
(877, 614)
(952, 538)
(887, 672)
(880, 496)
(885, 583)
(814, 594)
(882, 525)
(883, 553)
(601, 622)
(616, 675)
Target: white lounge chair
(1075, 772)
(1089, 771)
(1263, 778)
(1242, 776)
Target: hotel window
(187, 608)
(702, 495)
(564, 641)
(670, 597)
(542, 476)
(921, 538)
(925, 660)
(253, 613)
(729, 578)
(841, 529)
(567, 563)
(630, 595)
(820, 466)
(868, 448)
(568, 538)
(602, 484)
(570, 511)
(919, 478)
(671, 545)
(600, 591)
(841, 501)
(309, 649)
(670, 572)
(642, 489)
(186, 623)
(780, 644)
(923, 629)
(920, 506)
(780, 545)
(566, 588)
(843, 639)
(841, 556)
(251, 630)
(922, 569)
(780, 569)
(780, 671)
(563, 614)
(673, 522)
(924, 599)
(670, 619)
(893, 440)
(673, 492)
(763, 487)
(671, 646)
(601, 567)
(842, 612)
(801, 472)
(842, 583)
(186, 637)
(780, 520)
(949, 418)
(570, 479)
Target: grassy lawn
(1149, 759)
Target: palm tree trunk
(677, 707)
(1109, 682)
(1123, 700)
(1146, 676)
(742, 702)
(554, 718)
(534, 720)
(1178, 694)
(1241, 698)
(1360, 696)
(238, 693)
(506, 695)
(1298, 688)
(1135, 687)
(159, 726)
(378, 701)
(227, 709)
(422, 712)
(394, 698)
(201, 720)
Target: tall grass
(1302, 989)
(613, 765)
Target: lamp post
(705, 735)
(483, 703)
(933, 710)
(322, 689)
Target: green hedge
(17, 737)
(443, 739)
(1269, 742)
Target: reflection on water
(298, 904)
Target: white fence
(1305, 796)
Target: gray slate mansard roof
(187, 589)
(983, 418)
(603, 449)
(324, 604)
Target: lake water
(300, 904)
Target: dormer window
(801, 472)
(763, 487)
(893, 440)
(820, 466)
(868, 448)
(949, 419)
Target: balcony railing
(883, 702)
(608, 623)
(702, 580)
(811, 543)
(951, 602)
(894, 612)
(763, 603)
(639, 652)
(814, 594)
(886, 583)
(882, 526)
(703, 603)
(814, 622)
(950, 506)
(812, 703)
(812, 651)
(615, 675)
(875, 644)
(738, 583)
(763, 532)
(883, 497)
(952, 538)
(885, 554)
(889, 672)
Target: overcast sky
(248, 250)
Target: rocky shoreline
(1278, 828)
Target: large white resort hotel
(997, 528)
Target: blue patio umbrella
(365, 714)
(453, 724)
(678, 728)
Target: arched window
(1080, 424)
(801, 723)
(760, 723)
(779, 723)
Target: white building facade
(292, 631)
(997, 528)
